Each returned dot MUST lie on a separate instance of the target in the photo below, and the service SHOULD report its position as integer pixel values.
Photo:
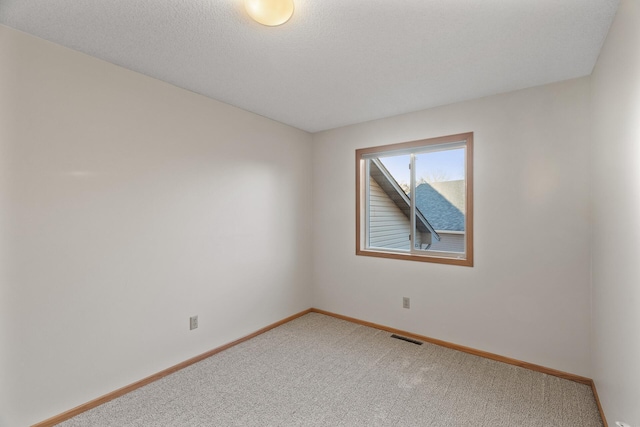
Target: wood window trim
(360, 200)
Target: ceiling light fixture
(269, 12)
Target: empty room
(320, 213)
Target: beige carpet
(321, 371)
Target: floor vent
(398, 337)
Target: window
(415, 200)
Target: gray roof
(441, 213)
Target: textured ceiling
(336, 62)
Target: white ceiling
(336, 62)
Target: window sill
(466, 262)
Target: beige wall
(616, 218)
(527, 296)
(129, 205)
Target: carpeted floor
(322, 371)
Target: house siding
(449, 242)
(388, 226)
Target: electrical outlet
(621, 424)
(406, 302)
(193, 322)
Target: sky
(447, 165)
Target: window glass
(415, 200)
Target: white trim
(412, 199)
(367, 203)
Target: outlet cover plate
(193, 322)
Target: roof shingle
(441, 213)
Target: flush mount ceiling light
(269, 12)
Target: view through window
(415, 200)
